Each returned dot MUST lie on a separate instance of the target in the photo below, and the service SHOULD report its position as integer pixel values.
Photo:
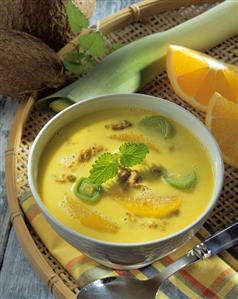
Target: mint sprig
(91, 45)
(132, 153)
(104, 168)
(107, 165)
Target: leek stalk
(132, 66)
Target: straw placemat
(125, 26)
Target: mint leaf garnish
(77, 20)
(107, 165)
(94, 43)
(132, 153)
(104, 168)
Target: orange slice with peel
(195, 76)
(222, 120)
(89, 218)
(160, 208)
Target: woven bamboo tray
(125, 26)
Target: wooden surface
(17, 279)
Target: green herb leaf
(78, 63)
(116, 46)
(132, 153)
(182, 182)
(104, 168)
(88, 63)
(72, 62)
(159, 124)
(94, 43)
(77, 20)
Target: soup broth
(141, 203)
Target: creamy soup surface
(139, 204)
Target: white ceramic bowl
(125, 255)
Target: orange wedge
(90, 218)
(161, 207)
(195, 77)
(222, 120)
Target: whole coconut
(45, 19)
(27, 64)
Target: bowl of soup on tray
(125, 178)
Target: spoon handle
(223, 239)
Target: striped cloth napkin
(211, 278)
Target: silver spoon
(117, 287)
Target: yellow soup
(141, 202)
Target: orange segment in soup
(89, 217)
(159, 207)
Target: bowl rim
(56, 222)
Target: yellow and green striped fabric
(215, 278)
